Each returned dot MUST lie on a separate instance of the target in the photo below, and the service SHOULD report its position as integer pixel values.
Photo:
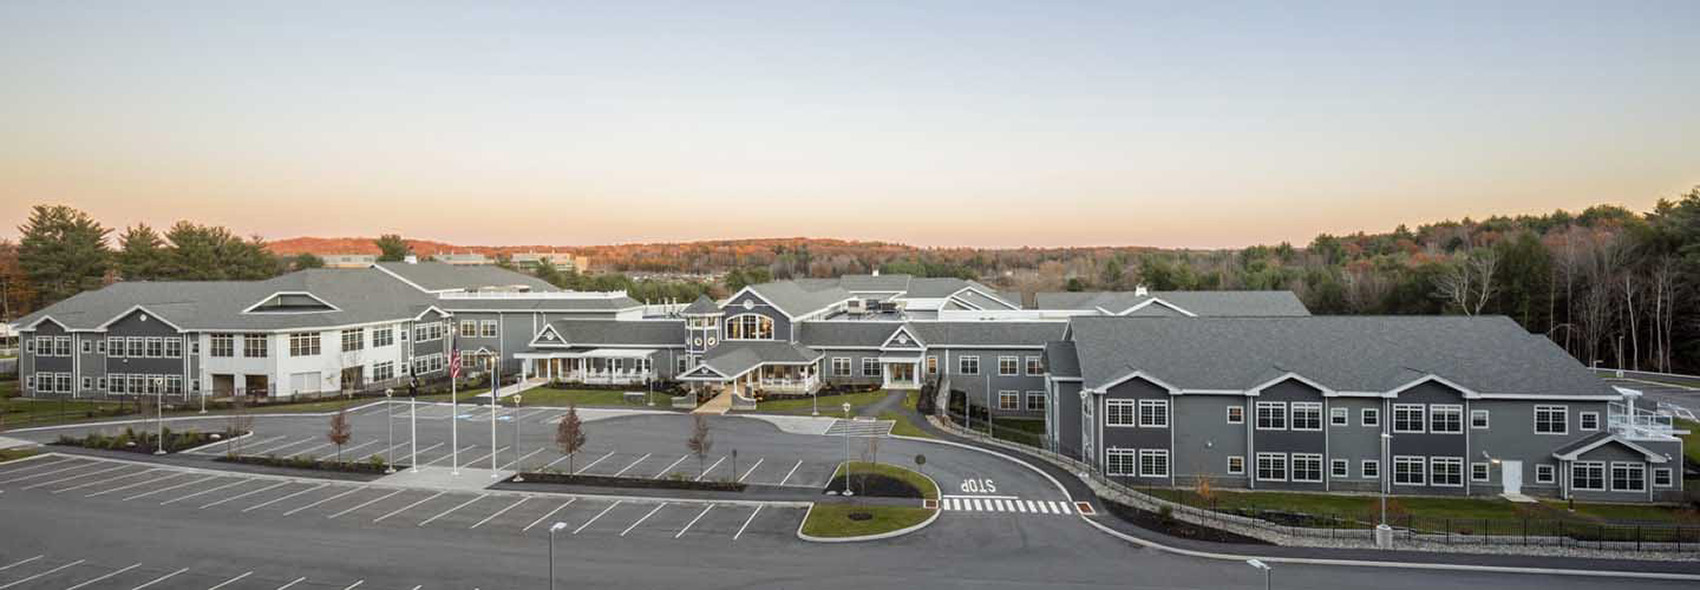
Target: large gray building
(1244, 389)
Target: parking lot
(88, 573)
(1681, 401)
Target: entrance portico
(901, 371)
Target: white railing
(608, 377)
(789, 384)
(532, 295)
(1638, 423)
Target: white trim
(914, 342)
(1148, 302)
(751, 290)
(250, 309)
(127, 312)
(1137, 374)
(1258, 389)
(1577, 453)
(1468, 393)
(549, 328)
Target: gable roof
(702, 306)
(799, 298)
(439, 276)
(734, 358)
(1201, 303)
(1061, 361)
(601, 332)
(1575, 449)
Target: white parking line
(323, 500)
(106, 480)
(793, 472)
(639, 521)
(551, 513)
(634, 464)
(21, 562)
(407, 507)
(264, 441)
(231, 581)
(747, 521)
(580, 469)
(79, 465)
(173, 474)
(46, 573)
(446, 512)
(499, 512)
(359, 446)
(292, 583)
(107, 576)
(75, 477)
(160, 579)
(409, 456)
(37, 465)
(710, 469)
(366, 503)
(446, 456)
(283, 446)
(485, 456)
(243, 495)
(284, 497)
(169, 488)
(668, 468)
(387, 452)
(521, 458)
(746, 474)
(598, 515)
(356, 584)
(693, 521)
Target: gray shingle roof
(944, 334)
(736, 358)
(608, 304)
(1343, 353)
(874, 284)
(439, 276)
(702, 306)
(802, 297)
(1061, 360)
(1202, 303)
(845, 333)
(621, 332)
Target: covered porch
(597, 366)
(901, 371)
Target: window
(1479, 471)
(1009, 400)
(1236, 465)
(174, 348)
(174, 384)
(1662, 477)
(840, 366)
(63, 346)
(870, 366)
(1588, 421)
(88, 383)
(1588, 475)
(223, 345)
(383, 336)
(1034, 367)
(304, 344)
(1408, 471)
(968, 365)
(933, 365)
(1307, 467)
(29, 345)
(383, 371)
(1153, 413)
(1339, 468)
(1118, 412)
(489, 328)
(1035, 401)
(1119, 461)
(1446, 418)
(749, 326)
(1370, 417)
(100, 384)
(1236, 414)
(1628, 477)
(1478, 419)
(136, 347)
(1271, 467)
(115, 383)
(427, 331)
(1546, 474)
(1446, 471)
(468, 329)
(1339, 417)
(1153, 463)
(254, 346)
(88, 346)
(1552, 420)
(156, 347)
(1407, 418)
(100, 346)
(1272, 416)
(1008, 366)
(353, 339)
(1370, 469)
(683, 365)
(1307, 416)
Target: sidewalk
(508, 390)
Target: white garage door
(307, 382)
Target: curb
(874, 537)
(182, 418)
(23, 459)
(217, 442)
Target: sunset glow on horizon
(931, 124)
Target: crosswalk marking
(1005, 504)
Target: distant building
(349, 260)
(562, 261)
(464, 259)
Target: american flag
(454, 365)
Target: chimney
(411, 259)
(1140, 291)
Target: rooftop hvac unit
(856, 306)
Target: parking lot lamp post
(413, 428)
(847, 491)
(389, 423)
(495, 389)
(159, 413)
(517, 470)
(554, 528)
(1256, 563)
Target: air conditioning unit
(857, 306)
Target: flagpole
(454, 406)
(495, 387)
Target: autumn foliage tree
(341, 431)
(569, 434)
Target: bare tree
(1468, 283)
(701, 442)
(569, 434)
(240, 424)
(341, 431)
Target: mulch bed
(876, 486)
(308, 463)
(1174, 527)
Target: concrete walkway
(719, 405)
(509, 390)
(443, 479)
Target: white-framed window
(1446, 471)
(870, 366)
(1662, 477)
(1370, 417)
(1479, 419)
(1339, 417)
(223, 345)
(968, 364)
(1628, 476)
(1369, 469)
(1588, 421)
(749, 326)
(174, 384)
(1306, 416)
(1479, 471)
(1236, 465)
(100, 384)
(427, 331)
(1307, 467)
(156, 347)
(353, 339)
(88, 383)
(1546, 474)
(115, 383)
(174, 347)
(469, 328)
(29, 345)
(1339, 468)
(1271, 467)
(100, 346)
(1120, 461)
(1009, 401)
(1272, 416)
(1153, 463)
(1408, 418)
(304, 344)
(138, 347)
(489, 328)
(383, 336)
(88, 346)
(1009, 366)
(1552, 419)
(932, 364)
(1236, 414)
(255, 346)
(1588, 475)
(1409, 471)
(1153, 413)
(840, 366)
(1034, 366)
(383, 370)
(1119, 412)
(1035, 401)
(1446, 419)
(115, 346)
(683, 364)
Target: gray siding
(1204, 440)
(781, 325)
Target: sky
(978, 123)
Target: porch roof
(594, 353)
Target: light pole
(1383, 532)
(413, 425)
(847, 491)
(159, 409)
(389, 424)
(517, 470)
(1257, 563)
(495, 389)
(554, 528)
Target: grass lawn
(830, 405)
(921, 482)
(833, 520)
(13, 454)
(1365, 506)
(905, 425)
(21, 412)
(551, 396)
(1690, 441)
(1027, 431)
